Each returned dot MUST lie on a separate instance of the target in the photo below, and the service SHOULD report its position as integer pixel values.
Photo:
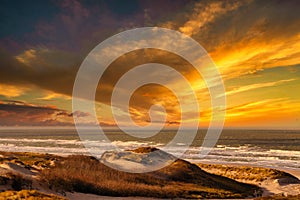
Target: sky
(255, 45)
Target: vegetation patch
(245, 173)
(179, 180)
(28, 195)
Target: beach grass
(28, 195)
(245, 173)
(180, 180)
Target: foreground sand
(271, 181)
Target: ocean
(267, 148)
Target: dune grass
(28, 195)
(29, 159)
(244, 172)
(180, 180)
(88, 175)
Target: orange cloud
(206, 12)
(12, 90)
(276, 112)
(27, 56)
(42, 59)
(52, 95)
(247, 57)
(18, 113)
(256, 86)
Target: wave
(25, 140)
(219, 154)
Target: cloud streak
(279, 111)
(19, 113)
(257, 86)
(205, 13)
(12, 90)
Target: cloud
(269, 113)
(12, 90)
(206, 12)
(267, 108)
(256, 56)
(257, 86)
(47, 69)
(254, 37)
(243, 37)
(57, 82)
(45, 60)
(19, 113)
(49, 95)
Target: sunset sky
(254, 44)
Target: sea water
(267, 148)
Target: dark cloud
(61, 36)
(261, 21)
(18, 113)
(173, 123)
(77, 26)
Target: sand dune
(212, 180)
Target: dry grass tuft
(28, 195)
(144, 150)
(29, 160)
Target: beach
(31, 167)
